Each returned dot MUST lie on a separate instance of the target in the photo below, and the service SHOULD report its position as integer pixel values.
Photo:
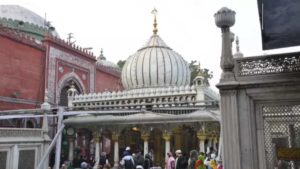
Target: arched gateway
(157, 112)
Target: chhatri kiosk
(157, 112)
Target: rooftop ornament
(224, 19)
(154, 12)
(238, 53)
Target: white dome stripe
(139, 70)
(168, 67)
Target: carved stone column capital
(145, 135)
(201, 135)
(167, 136)
(96, 136)
(115, 136)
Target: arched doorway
(131, 137)
(63, 97)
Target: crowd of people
(195, 160)
(129, 160)
(135, 160)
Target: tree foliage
(197, 70)
(121, 63)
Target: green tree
(121, 63)
(196, 70)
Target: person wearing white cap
(181, 162)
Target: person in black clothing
(139, 159)
(103, 160)
(77, 161)
(148, 162)
(181, 161)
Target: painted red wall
(22, 71)
(107, 82)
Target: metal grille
(26, 159)
(3, 159)
(281, 131)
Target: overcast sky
(121, 27)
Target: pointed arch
(64, 82)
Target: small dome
(155, 65)
(101, 60)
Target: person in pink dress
(220, 165)
(170, 161)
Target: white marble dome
(155, 65)
(101, 60)
(19, 13)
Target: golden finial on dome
(154, 12)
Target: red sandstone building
(33, 60)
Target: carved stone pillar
(71, 148)
(201, 137)
(145, 136)
(96, 137)
(167, 138)
(231, 144)
(232, 157)
(115, 139)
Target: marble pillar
(209, 143)
(96, 137)
(115, 139)
(71, 148)
(201, 137)
(145, 136)
(167, 138)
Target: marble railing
(20, 132)
(268, 64)
(138, 97)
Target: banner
(280, 23)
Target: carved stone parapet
(273, 64)
(20, 132)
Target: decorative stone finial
(72, 91)
(46, 105)
(154, 12)
(238, 54)
(237, 44)
(101, 56)
(225, 18)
